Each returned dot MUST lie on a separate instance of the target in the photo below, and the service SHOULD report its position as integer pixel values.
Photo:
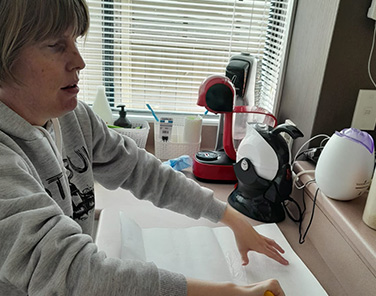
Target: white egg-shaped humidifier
(345, 166)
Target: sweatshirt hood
(15, 126)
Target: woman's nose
(76, 62)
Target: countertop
(112, 201)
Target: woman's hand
(202, 288)
(248, 239)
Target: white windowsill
(207, 120)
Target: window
(159, 51)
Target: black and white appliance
(263, 172)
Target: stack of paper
(211, 254)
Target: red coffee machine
(230, 97)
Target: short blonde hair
(23, 22)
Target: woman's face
(48, 72)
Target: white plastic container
(101, 106)
(139, 132)
(344, 169)
(192, 129)
(175, 146)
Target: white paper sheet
(211, 254)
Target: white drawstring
(56, 142)
(58, 137)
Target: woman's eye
(57, 46)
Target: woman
(52, 149)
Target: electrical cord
(302, 211)
(302, 235)
(302, 238)
(311, 153)
(296, 179)
(370, 56)
(298, 154)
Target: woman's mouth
(72, 88)
(69, 86)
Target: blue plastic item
(180, 163)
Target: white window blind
(159, 51)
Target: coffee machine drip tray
(207, 155)
(213, 166)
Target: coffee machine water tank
(242, 70)
(345, 166)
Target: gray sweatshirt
(47, 202)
